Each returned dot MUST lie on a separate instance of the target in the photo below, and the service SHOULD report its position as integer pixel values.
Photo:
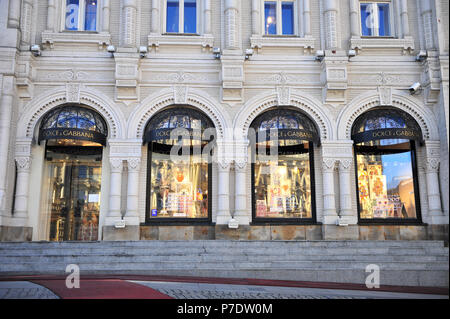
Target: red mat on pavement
(102, 289)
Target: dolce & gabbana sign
(393, 133)
(287, 134)
(72, 133)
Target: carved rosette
(432, 165)
(328, 164)
(134, 164)
(23, 164)
(224, 164)
(116, 165)
(345, 164)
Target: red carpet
(102, 289)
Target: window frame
(81, 17)
(181, 19)
(391, 22)
(279, 19)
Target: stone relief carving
(23, 163)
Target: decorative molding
(73, 92)
(134, 164)
(345, 164)
(328, 164)
(385, 95)
(284, 95)
(406, 44)
(205, 42)
(116, 165)
(102, 40)
(432, 165)
(259, 42)
(23, 163)
(180, 94)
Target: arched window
(179, 190)
(385, 149)
(283, 166)
(74, 138)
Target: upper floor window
(81, 15)
(279, 17)
(181, 16)
(375, 19)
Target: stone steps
(421, 263)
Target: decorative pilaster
(106, 14)
(6, 104)
(116, 167)
(241, 195)
(25, 22)
(307, 19)
(404, 18)
(23, 165)
(427, 21)
(256, 21)
(354, 18)
(132, 214)
(346, 213)
(51, 11)
(128, 32)
(14, 14)
(330, 10)
(223, 211)
(156, 25)
(329, 203)
(207, 13)
(434, 197)
(231, 25)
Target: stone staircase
(404, 263)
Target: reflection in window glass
(367, 20)
(385, 180)
(172, 16)
(90, 22)
(190, 16)
(287, 10)
(283, 188)
(72, 11)
(383, 19)
(178, 190)
(270, 9)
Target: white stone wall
(183, 69)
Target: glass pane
(283, 188)
(270, 13)
(178, 190)
(386, 185)
(367, 19)
(74, 197)
(72, 11)
(90, 23)
(172, 16)
(190, 16)
(383, 19)
(287, 9)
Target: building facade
(350, 97)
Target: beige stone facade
(130, 68)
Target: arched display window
(386, 169)
(283, 185)
(74, 137)
(178, 191)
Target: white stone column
(223, 211)
(132, 214)
(207, 15)
(329, 202)
(6, 104)
(307, 18)
(116, 167)
(106, 15)
(434, 197)
(128, 31)
(404, 18)
(231, 25)
(156, 24)
(256, 18)
(427, 21)
(330, 9)
(14, 14)
(346, 212)
(241, 194)
(25, 21)
(51, 11)
(22, 188)
(354, 18)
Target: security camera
(320, 55)
(35, 49)
(216, 52)
(421, 56)
(143, 51)
(351, 53)
(414, 88)
(111, 48)
(248, 53)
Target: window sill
(396, 222)
(364, 42)
(285, 222)
(76, 37)
(180, 39)
(281, 41)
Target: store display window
(74, 137)
(283, 185)
(179, 191)
(386, 170)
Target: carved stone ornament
(134, 164)
(345, 164)
(116, 165)
(432, 165)
(328, 164)
(23, 163)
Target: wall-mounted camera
(422, 56)
(111, 49)
(217, 53)
(413, 89)
(320, 55)
(35, 49)
(143, 51)
(248, 53)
